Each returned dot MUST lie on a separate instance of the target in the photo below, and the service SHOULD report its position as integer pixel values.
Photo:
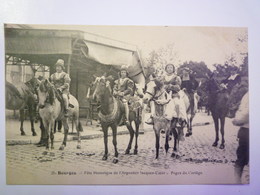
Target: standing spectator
(242, 119)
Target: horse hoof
(78, 146)
(127, 152)
(115, 161)
(215, 144)
(104, 158)
(23, 133)
(222, 146)
(34, 134)
(61, 147)
(45, 153)
(52, 148)
(40, 144)
(135, 152)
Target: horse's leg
(51, 133)
(114, 131)
(166, 146)
(131, 132)
(190, 125)
(137, 125)
(32, 119)
(175, 147)
(105, 129)
(215, 118)
(157, 142)
(222, 131)
(47, 128)
(77, 124)
(66, 130)
(59, 126)
(42, 141)
(188, 128)
(21, 121)
(55, 126)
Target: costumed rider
(176, 107)
(229, 84)
(61, 81)
(150, 104)
(189, 85)
(124, 89)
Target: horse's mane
(46, 86)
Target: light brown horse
(155, 91)
(51, 110)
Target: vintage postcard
(126, 105)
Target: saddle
(60, 99)
(133, 105)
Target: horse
(155, 92)
(23, 97)
(111, 115)
(218, 106)
(191, 109)
(51, 110)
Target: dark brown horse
(218, 106)
(23, 97)
(112, 113)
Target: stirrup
(127, 122)
(149, 121)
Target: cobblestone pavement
(199, 162)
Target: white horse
(51, 109)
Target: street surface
(199, 162)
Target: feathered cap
(60, 62)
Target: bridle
(47, 90)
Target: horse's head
(102, 87)
(45, 93)
(152, 88)
(139, 90)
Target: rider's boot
(66, 105)
(149, 121)
(126, 112)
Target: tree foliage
(199, 69)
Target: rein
(50, 95)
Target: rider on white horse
(175, 108)
(61, 81)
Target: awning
(37, 45)
(116, 57)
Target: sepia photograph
(135, 105)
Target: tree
(199, 68)
(157, 59)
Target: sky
(209, 44)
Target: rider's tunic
(61, 81)
(231, 81)
(124, 88)
(176, 107)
